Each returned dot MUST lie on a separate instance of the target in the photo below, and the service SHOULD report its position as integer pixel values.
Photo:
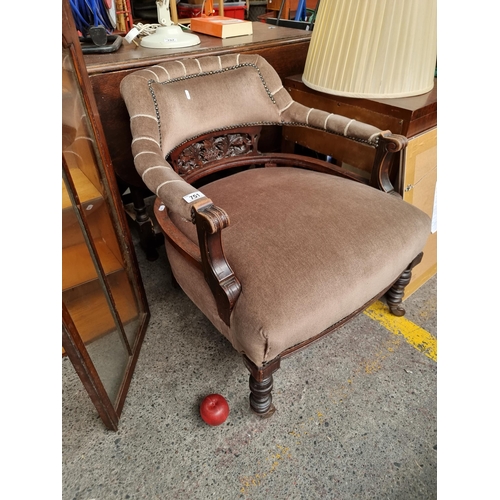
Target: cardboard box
(221, 26)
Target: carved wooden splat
(201, 153)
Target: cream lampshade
(373, 48)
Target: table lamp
(373, 48)
(168, 35)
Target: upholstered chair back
(174, 102)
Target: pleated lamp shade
(373, 48)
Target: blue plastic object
(300, 15)
(90, 13)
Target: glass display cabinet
(104, 308)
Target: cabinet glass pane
(96, 288)
(88, 308)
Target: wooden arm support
(210, 220)
(388, 144)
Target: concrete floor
(355, 419)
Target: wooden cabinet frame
(103, 293)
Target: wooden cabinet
(415, 176)
(104, 307)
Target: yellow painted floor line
(415, 335)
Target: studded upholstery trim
(198, 75)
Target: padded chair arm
(159, 176)
(298, 114)
(210, 220)
(385, 143)
(149, 159)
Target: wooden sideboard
(284, 48)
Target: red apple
(214, 409)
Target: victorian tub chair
(275, 249)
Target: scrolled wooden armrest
(388, 144)
(210, 220)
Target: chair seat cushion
(308, 248)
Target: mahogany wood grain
(188, 249)
(264, 37)
(190, 159)
(388, 145)
(323, 142)
(210, 220)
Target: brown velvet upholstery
(303, 249)
(305, 267)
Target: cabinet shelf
(85, 189)
(90, 311)
(77, 265)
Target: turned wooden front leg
(261, 399)
(261, 386)
(396, 293)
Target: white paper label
(193, 196)
(434, 225)
(131, 35)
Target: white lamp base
(169, 37)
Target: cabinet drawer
(420, 170)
